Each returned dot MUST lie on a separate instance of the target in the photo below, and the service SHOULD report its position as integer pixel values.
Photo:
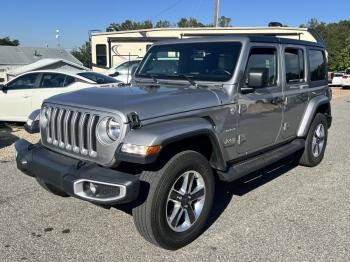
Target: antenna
(127, 79)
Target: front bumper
(71, 175)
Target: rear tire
(50, 188)
(316, 142)
(171, 217)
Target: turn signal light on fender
(140, 150)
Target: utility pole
(216, 12)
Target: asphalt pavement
(282, 213)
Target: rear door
(260, 112)
(15, 100)
(295, 85)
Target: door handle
(25, 96)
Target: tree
(335, 36)
(9, 42)
(190, 22)
(224, 21)
(342, 61)
(83, 54)
(163, 24)
(130, 25)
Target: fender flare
(167, 132)
(310, 112)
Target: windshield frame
(236, 43)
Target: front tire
(179, 200)
(316, 142)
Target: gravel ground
(287, 213)
(9, 134)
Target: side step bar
(250, 165)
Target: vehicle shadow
(224, 192)
(6, 136)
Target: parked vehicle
(337, 79)
(198, 109)
(346, 79)
(124, 71)
(25, 93)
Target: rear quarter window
(318, 65)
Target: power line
(166, 9)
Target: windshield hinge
(134, 120)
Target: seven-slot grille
(72, 130)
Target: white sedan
(346, 79)
(337, 79)
(25, 93)
(124, 71)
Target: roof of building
(44, 63)
(17, 55)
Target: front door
(15, 99)
(260, 109)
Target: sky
(34, 22)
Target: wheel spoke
(176, 196)
(318, 148)
(314, 145)
(190, 214)
(197, 194)
(176, 215)
(187, 183)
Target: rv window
(101, 55)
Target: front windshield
(213, 61)
(98, 78)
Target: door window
(52, 80)
(318, 65)
(23, 82)
(69, 80)
(127, 67)
(294, 63)
(265, 60)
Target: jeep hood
(147, 102)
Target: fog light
(90, 188)
(98, 191)
(93, 188)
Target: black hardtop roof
(240, 37)
(271, 39)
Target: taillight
(345, 77)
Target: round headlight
(113, 129)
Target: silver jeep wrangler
(198, 110)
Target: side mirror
(32, 124)
(258, 77)
(114, 74)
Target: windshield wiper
(189, 79)
(153, 76)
